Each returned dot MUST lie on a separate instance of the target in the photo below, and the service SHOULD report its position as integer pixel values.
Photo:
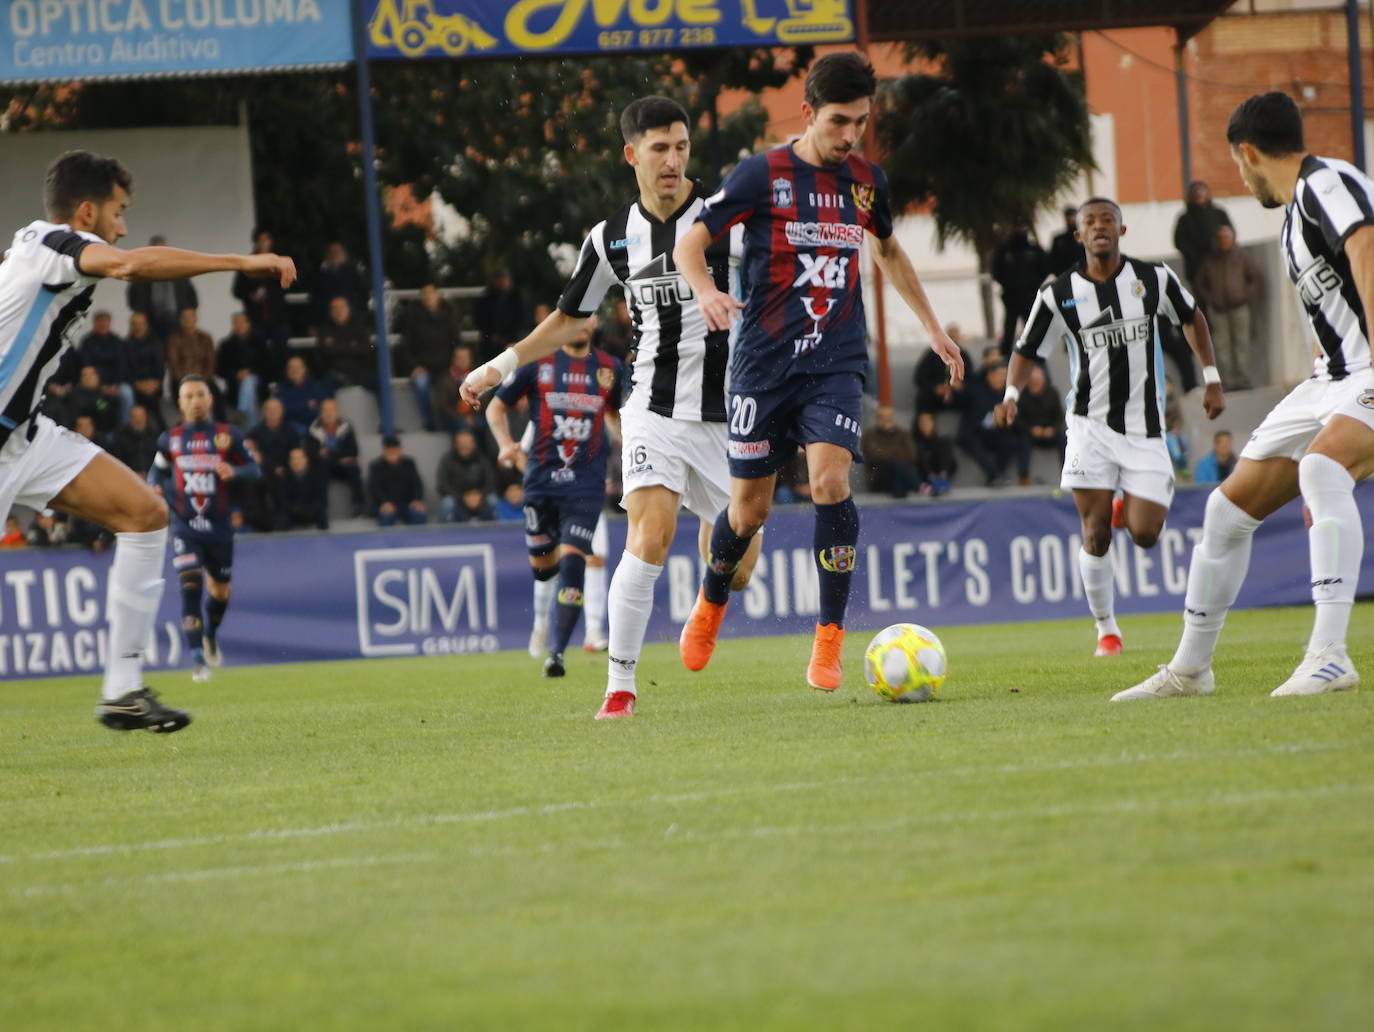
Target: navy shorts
(551, 521)
(766, 426)
(213, 552)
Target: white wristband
(505, 363)
(1012, 395)
(1210, 374)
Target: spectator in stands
(243, 366)
(889, 453)
(794, 481)
(472, 505)
(347, 356)
(1173, 428)
(1019, 265)
(394, 487)
(500, 315)
(510, 506)
(46, 530)
(84, 532)
(1195, 232)
(147, 363)
(617, 333)
(337, 276)
(264, 302)
(1227, 281)
(1065, 250)
(454, 413)
(190, 349)
(89, 398)
(463, 468)
(252, 505)
(274, 437)
(933, 389)
(162, 301)
(1216, 465)
(429, 331)
(300, 396)
(135, 443)
(14, 536)
(301, 497)
(935, 459)
(1040, 411)
(338, 451)
(992, 448)
(104, 349)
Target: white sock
(594, 602)
(544, 590)
(631, 605)
(131, 600)
(1336, 541)
(1099, 585)
(1220, 562)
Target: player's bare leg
(836, 555)
(109, 493)
(1099, 512)
(1341, 456)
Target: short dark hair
(840, 78)
(391, 441)
(1100, 200)
(1271, 122)
(78, 176)
(648, 113)
(191, 378)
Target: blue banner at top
(500, 28)
(66, 40)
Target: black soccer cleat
(139, 710)
(553, 666)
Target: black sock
(837, 532)
(191, 588)
(727, 549)
(214, 614)
(572, 574)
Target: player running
(46, 282)
(194, 463)
(1106, 311)
(574, 395)
(1320, 438)
(673, 424)
(797, 369)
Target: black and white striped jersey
(42, 295)
(1112, 336)
(1331, 200)
(679, 367)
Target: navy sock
(214, 613)
(727, 549)
(191, 622)
(572, 573)
(837, 532)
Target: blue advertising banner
(62, 40)
(499, 28)
(449, 591)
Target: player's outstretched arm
(507, 446)
(896, 265)
(144, 264)
(557, 329)
(1018, 372)
(717, 307)
(1199, 336)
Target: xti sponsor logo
(822, 270)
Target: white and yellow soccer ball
(905, 663)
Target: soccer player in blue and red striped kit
(797, 369)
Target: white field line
(656, 799)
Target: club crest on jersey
(782, 193)
(839, 559)
(546, 374)
(863, 196)
(605, 377)
(1366, 399)
(1137, 288)
(222, 442)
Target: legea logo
(430, 600)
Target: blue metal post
(372, 206)
(1352, 31)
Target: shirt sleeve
(1338, 203)
(880, 218)
(1039, 323)
(591, 279)
(517, 385)
(61, 253)
(1175, 302)
(745, 189)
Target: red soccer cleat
(698, 639)
(1108, 645)
(1118, 514)
(617, 704)
(823, 672)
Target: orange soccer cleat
(823, 672)
(1108, 645)
(617, 704)
(698, 639)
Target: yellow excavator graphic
(412, 27)
(807, 21)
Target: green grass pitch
(456, 844)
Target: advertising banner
(500, 28)
(62, 40)
(455, 590)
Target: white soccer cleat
(200, 672)
(1328, 670)
(1168, 684)
(596, 643)
(539, 640)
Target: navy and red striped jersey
(187, 458)
(803, 227)
(569, 398)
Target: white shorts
(33, 471)
(1098, 458)
(686, 457)
(1288, 431)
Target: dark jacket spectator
(992, 448)
(301, 497)
(147, 362)
(933, 389)
(46, 530)
(164, 301)
(500, 315)
(338, 451)
(337, 276)
(394, 486)
(1195, 232)
(462, 469)
(429, 333)
(1040, 412)
(345, 348)
(1019, 266)
(300, 396)
(274, 438)
(190, 350)
(252, 499)
(135, 443)
(935, 459)
(616, 336)
(105, 350)
(1226, 277)
(264, 302)
(89, 398)
(889, 453)
(1065, 250)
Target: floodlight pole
(1185, 135)
(373, 209)
(1352, 32)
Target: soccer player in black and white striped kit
(1106, 312)
(674, 437)
(1319, 440)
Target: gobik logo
(432, 600)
